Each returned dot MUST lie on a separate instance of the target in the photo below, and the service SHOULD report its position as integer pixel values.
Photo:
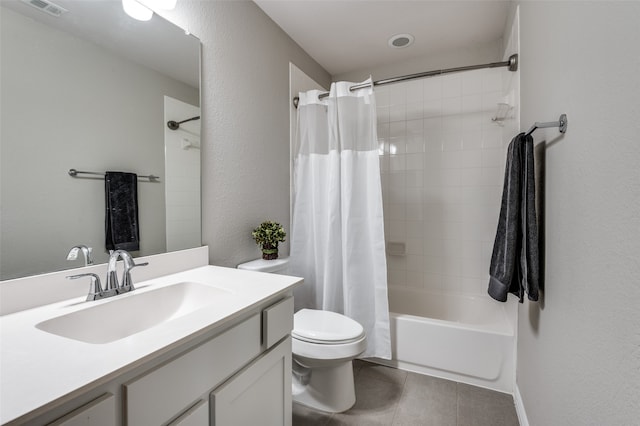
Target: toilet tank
(276, 266)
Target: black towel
(121, 219)
(514, 262)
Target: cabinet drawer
(163, 393)
(99, 412)
(277, 321)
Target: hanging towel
(121, 219)
(514, 263)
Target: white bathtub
(461, 338)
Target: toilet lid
(317, 326)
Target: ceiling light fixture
(142, 10)
(137, 10)
(399, 41)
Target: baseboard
(522, 415)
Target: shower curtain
(337, 238)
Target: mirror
(93, 90)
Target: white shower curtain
(337, 238)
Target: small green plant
(267, 236)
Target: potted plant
(268, 235)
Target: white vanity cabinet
(249, 366)
(101, 411)
(239, 376)
(162, 394)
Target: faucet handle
(127, 282)
(95, 288)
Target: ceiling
(349, 35)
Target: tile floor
(390, 397)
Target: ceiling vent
(47, 7)
(399, 41)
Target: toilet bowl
(324, 345)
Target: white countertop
(38, 368)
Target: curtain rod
(512, 64)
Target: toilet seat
(325, 328)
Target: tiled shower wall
(442, 164)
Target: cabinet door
(260, 394)
(198, 415)
(99, 412)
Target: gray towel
(514, 262)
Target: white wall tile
(472, 103)
(415, 279)
(397, 112)
(444, 179)
(397, 163)
(432, 108)
(451, 85)
(472, 82)
(492, 80)
(414, 91)
(471, 140)
(415, 245)
(397, 277)
(397, 94)
(414, 110)
(382, 112)
(414, 161)
(414, 212)
(432, 88)
(414, 178)
(432, 281)
(382, 96)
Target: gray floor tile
(427, 401)
(382, 372)
(483, 407)
(391, 397)
(304, 416)
(376, 402)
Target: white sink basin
(132, 313)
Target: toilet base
(328, 388)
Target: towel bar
(75, 173)
(561, 124)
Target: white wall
(245, 125)
(97, 122)
(579, 348)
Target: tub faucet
(114, 287)
(86, 251)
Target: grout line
(457, 404)
(395, 411)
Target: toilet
(323, 344)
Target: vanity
(208, 345)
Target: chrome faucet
(86, 251)
(112, 279)
(112, 287)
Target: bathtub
(461, 338)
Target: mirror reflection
(93, 90)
